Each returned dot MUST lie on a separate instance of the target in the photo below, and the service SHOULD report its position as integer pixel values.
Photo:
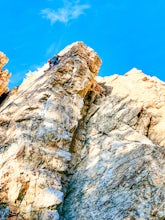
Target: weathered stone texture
(119, 157)
(73, 149)
(37, 123)
(4, 75)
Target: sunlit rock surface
(78, 147)
(119, 156)
(37, 124)
(4, 75)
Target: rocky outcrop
(37, 124)
(4, 75)
(77, 147)
(119, 158)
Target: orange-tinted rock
(4, 75)
(37, 123)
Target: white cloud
(68, 12)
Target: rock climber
(54, 61)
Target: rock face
(120, 166)
(4, 76)
(75, 148)
(37, 124)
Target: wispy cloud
(68, 12)
(50, 49)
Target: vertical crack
(78, 140)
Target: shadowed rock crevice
(3, 97)
(144, 122)
(96, 91)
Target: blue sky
(124, 33)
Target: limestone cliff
(75, 146)
(4, 75)
(119, 157)
(37, 124)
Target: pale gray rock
(119, 160)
